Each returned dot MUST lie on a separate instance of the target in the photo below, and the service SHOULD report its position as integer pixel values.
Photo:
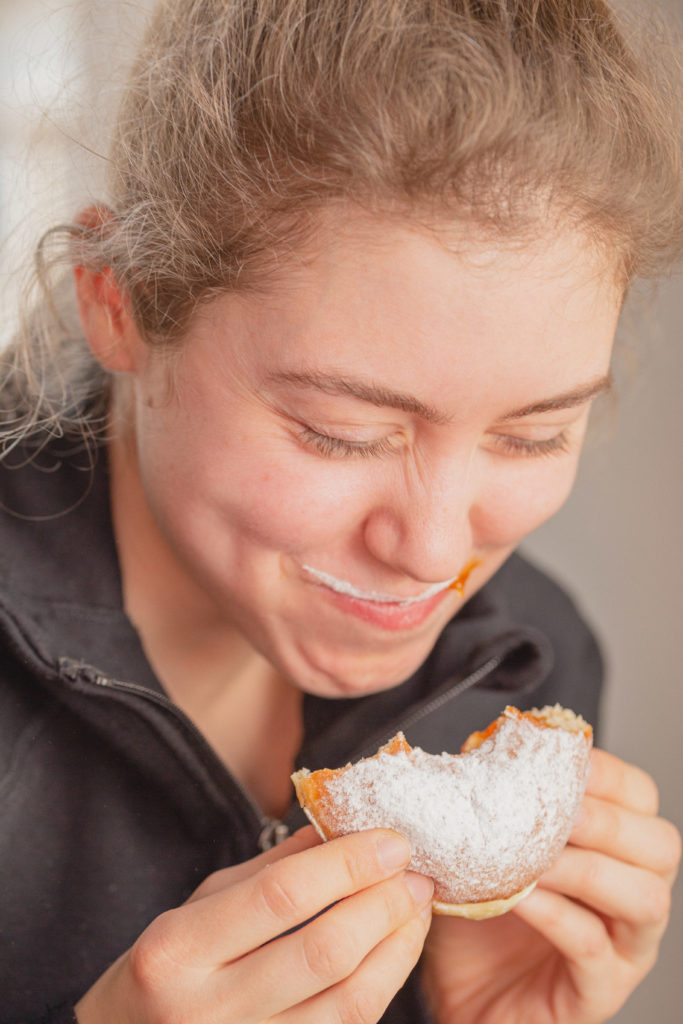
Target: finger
(621, 891)
(303, 839)
(328, 949)
(575, 931)
(612, 779)
(589, 947)
(579, 935)
(637, 839)
(204, 933)
(635, 900)
(364, 996)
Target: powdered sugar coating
(484, 824)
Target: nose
(423, 528)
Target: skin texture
(393, 404)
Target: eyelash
(337, 447)
(530, 449)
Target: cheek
(246, 487)
(516, 503)
(289, 508)
(215, 495)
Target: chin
(357, 675)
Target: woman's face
(335, 450)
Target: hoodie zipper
(271, 831)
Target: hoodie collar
(59, 567)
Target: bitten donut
(485, 823)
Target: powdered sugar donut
(484, 824)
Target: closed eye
(528, 448)
(329, 446)
(337, 447)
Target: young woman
(341, 320)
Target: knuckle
(411, 938)
(329, 956)
(152, 959)
(359, 866)
(360, 859)
(553, 915)
(278, 896)
(361, 1007)
(658, 902)
(595, 941)
(395, 903)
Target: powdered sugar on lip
(343, 587)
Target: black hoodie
(113, 807)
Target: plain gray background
(617, 543)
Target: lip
(390, 615)
(387, 611)
(375, 597)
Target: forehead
(351, 231)
(435, 307)
(363, 254)
(357, 261)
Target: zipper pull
(74, 670)
(272, 834)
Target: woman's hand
(228, 955)
(574, 950)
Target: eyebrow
(339, 384)
(567, 400)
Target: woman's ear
(106, 321)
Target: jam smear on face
(459, 583)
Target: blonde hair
(241, 118)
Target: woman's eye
(331, 447)
(338, 447)
(512, 445)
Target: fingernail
(421, 887)
(393, 852)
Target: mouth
(374, 596)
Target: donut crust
(485, 909)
